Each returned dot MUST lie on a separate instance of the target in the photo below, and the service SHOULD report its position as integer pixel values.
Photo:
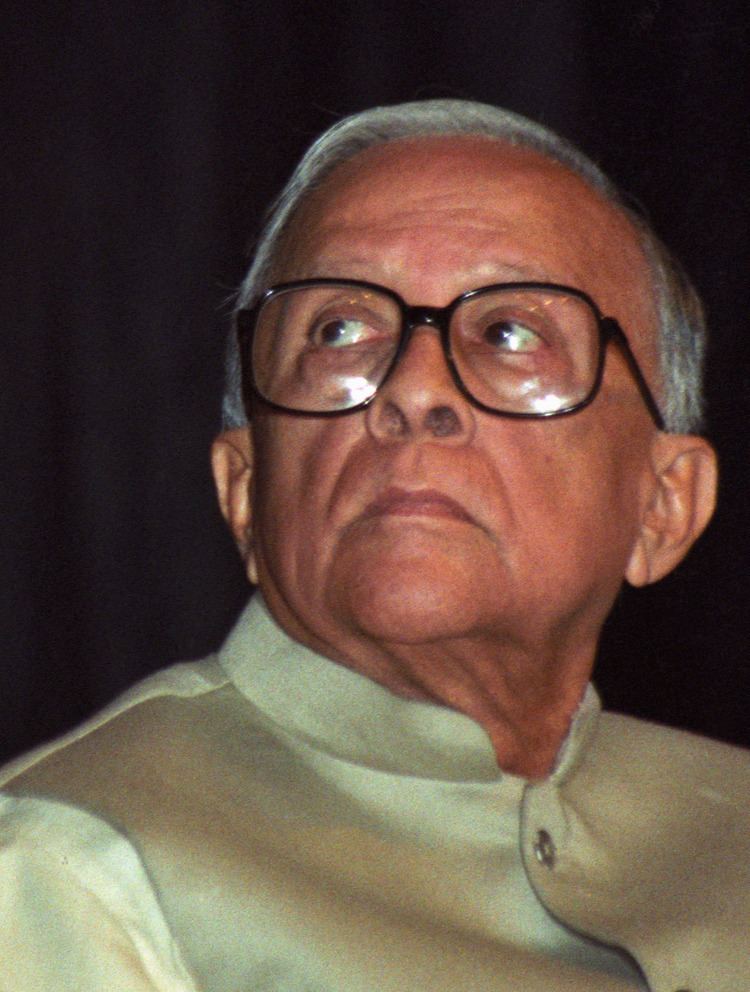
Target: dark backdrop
(141, 144)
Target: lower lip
(420, 508)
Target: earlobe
(232, 465)
(679, 505)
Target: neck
(523, 695)
(524, 704)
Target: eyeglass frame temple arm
(610, 328)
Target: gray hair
(682, 331)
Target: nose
(420, 400)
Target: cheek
(582, 502)
(296, 467)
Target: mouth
(396, 502)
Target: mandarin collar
(341, 712)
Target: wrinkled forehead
(532, 209)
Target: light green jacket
(268, 820)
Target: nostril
(393, 423)
(442, 421)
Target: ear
(232, 464)
(678, 506)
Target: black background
(142, 143)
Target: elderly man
(471, 378)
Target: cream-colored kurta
(269, 820)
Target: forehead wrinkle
(361, 267)
(401, 213)
(481, 250)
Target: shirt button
(545, 850)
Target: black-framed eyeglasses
(324, 347)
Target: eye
(341, 332)
(511, 335)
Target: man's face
(423, 518)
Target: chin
(409, 612)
